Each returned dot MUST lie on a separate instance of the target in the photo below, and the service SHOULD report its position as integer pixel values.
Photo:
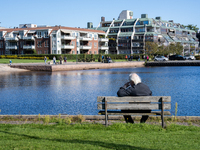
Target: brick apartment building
(28, 38)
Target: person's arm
(124, 91)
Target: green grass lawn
(96, 136)
(6, 61)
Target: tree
(163, 50)
(151, 48)
(191, 27)
(175, 48)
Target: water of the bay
(75, 92)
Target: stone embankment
(78, 66)
(174, 63)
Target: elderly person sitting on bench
(134, 88)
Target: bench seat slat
(129, 113)
(134, 99)
(133, 106)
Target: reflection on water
(75, 92)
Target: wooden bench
(138, 105)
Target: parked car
(160, 58)
(176, 57)
(189, 57)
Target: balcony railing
(85, 47)
(103, 40)
(84, 38)
(11, 47)
(103, 47)
(67, 37)
(29, 47)
(67, 46)
(12, 38)
(29, 38)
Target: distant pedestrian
(45, 59)
(139, 58)
(102, 58)
(144, 57)
(65, 59)
(147, 58)
(60, 59)
(54, 60)
(131, 57)
(126, 58)
(10, 62)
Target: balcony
(103, 47)
(29, 38)
(12, 38)
(67, 46)
(84, 38)
(29, 47)
(103, 40)
(85, 47)
(11, 47)
(67, 37)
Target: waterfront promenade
(75, 66)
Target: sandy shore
(7, 68)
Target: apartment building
(127, 35)
(28, 38)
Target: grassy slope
(95, 136)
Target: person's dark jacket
(140, 89)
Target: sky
(76, 13)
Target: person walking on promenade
(139, 58)
(144, 57)
(129, 57)
(102, 59)
(10, 62)
(126, 58)
(65, 59)
(45, 60)
(147, 58)
(54, 60)
(60, 59)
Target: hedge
(70, 56)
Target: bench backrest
(134, 103)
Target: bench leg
(144, 119)
(128, 119)
(162, 113)
(106, 115)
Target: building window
(45, 34)
(1, 44)
(73, 52)
(46, 44)
(39, 44)
(39, 34)
(95, 44)
(95, 36)
(53, 44)
(21, 44)
(90, 44)
(45, 52)
(90, 52)
(95, 52)
(53, 35)
(90, 35)
(39, 52)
